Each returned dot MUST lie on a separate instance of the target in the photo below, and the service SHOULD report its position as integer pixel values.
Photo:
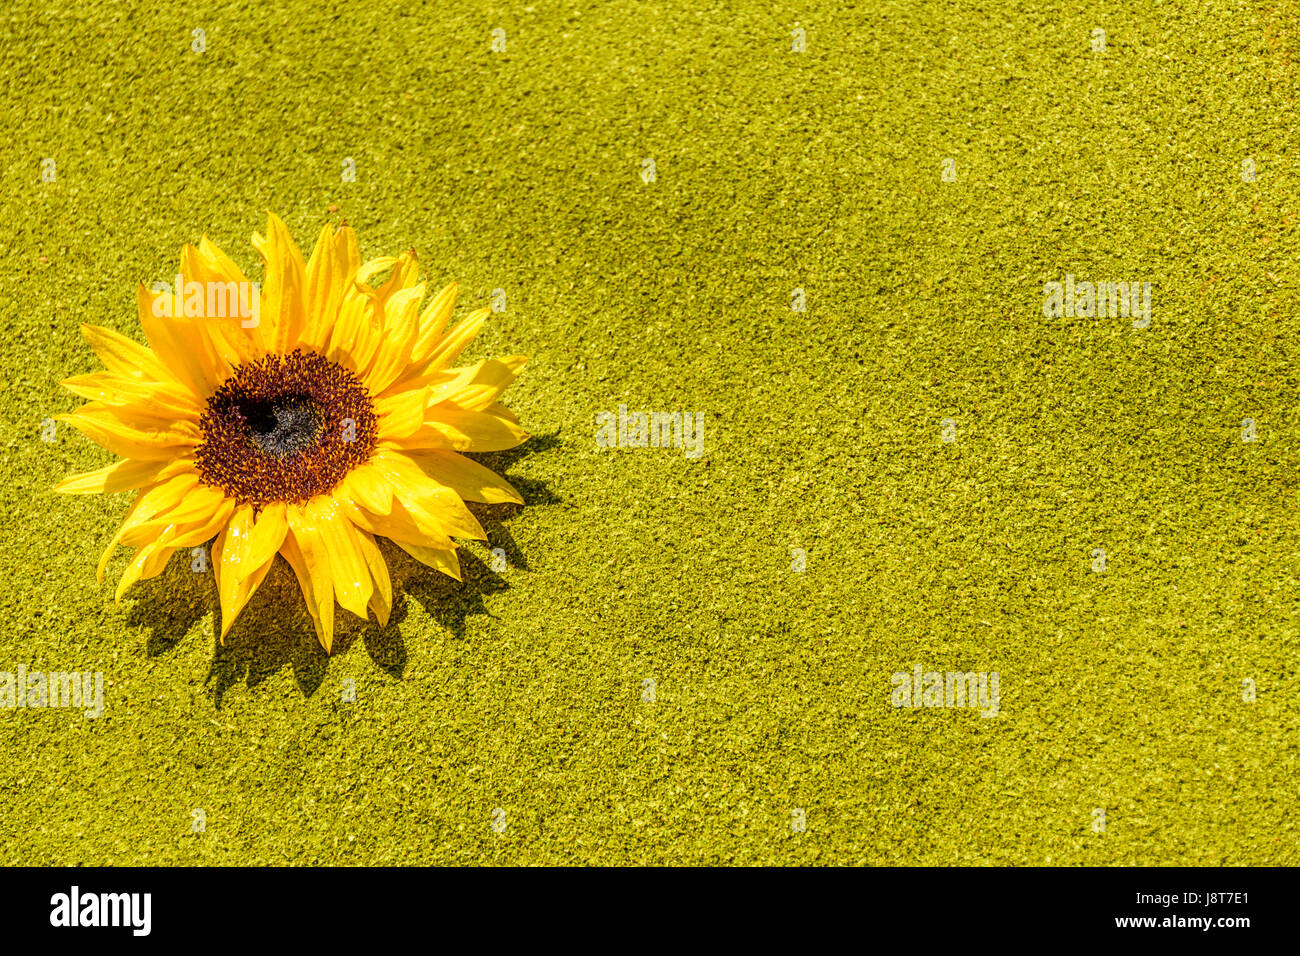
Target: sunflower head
(306, 418)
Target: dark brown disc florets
(285, 428)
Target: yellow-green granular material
(526, 689)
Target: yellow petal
(247, 588)
(402, 414)
(119, 354)
(439, 559)
(324, 286)
(355, 337)
(148, 503)
(238, 576)
(181, 344)
(311, 562)
(467, 478)
(334, 282)
(338, 539)
(398, 525)
(151, 558)
(156, 562)
(381, 600)
(367, 486)
(220, 265)
(227, 290)
(142, 413)
(225, 567)
(283, 294)
(316, 590)
(435, 509)
(227, 563)
(401, 325)
(492, 378)
(268, 533)
(503, 413)
(114, 389)
(449, 349)
(104, 428)
(347, 253)
(195, 509)
(405, 270)
(432, 356)
(370, 268)
(120, 476)
(473, 387)
(191, 533)
(442, 385)
(432, 322)
(449, 426)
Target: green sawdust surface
(521, 690)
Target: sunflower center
(285, 428)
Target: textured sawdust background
(521, 690)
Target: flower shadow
(275, 631)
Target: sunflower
(327, 417)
